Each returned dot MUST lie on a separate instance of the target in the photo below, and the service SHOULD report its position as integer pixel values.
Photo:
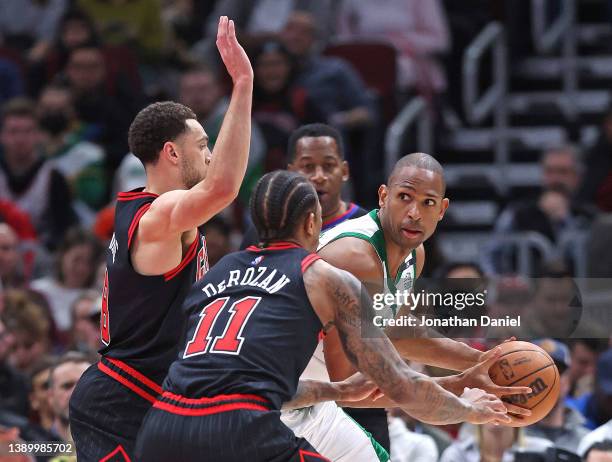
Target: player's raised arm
(337, 296)
(178, 211)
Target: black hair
(603, 446)
(79, 236)
(70, 357)
(314, 131)
(76, 14)
(419, 160)
(155, 125)
(219, 223)
(280, 201)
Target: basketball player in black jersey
(254, 322)
(155, 256)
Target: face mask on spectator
(54, 122)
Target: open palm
(233, 55)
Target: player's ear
(169, 152)
(383, 192)
(291, 167)
(445, 204)
(310, 224)
(345, 171)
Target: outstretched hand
(233, 55)
(478, 377)
(485, 407)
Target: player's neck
(395, 254)
(160, 182)
(337, 211)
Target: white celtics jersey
(368, 228)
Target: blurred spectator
(600, 435)
(86, 322)
(39, 393)
(259, 20)
(217, 233)
(11, 264)
(12, 435)
(417, 29)
(493, 443)
(11, 80)
(596, 407)
(459, 270)
(75, 29)
(584, 360)
(13, 388)
(562, 169)
(62, 379)
(598, 163)
(564, 426)
(599, 452)
(98, 101)
(554, 309)
(77, 262)
(279, 106)
(30, 24)
(80, 161)
(31, 327)
(331, 82)
(135, 22)
(408, 446)
(26, 179)
(555, 214)
(185, 20)
(200, 90)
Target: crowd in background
(73, 74)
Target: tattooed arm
(336, 295)
(310, 392)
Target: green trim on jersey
(369, 228)
(381, 452)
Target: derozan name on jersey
(255, 277)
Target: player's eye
(329, 166)
(404, 196)
(308, 167)
(430, 202)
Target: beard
(190, 176)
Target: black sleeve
(60, 214)
(250, 237)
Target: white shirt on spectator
(408, 446)
(417, 28)
(596, 436)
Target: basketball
(526, 364)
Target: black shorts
(374, 421)
(228, 428)
(107, 408)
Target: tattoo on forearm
(376, 357)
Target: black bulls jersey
(142, 319)
(251, 327)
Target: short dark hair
(19, 107)
(279, 202)
(155, 125)
(219, 223)
(69, 357)
(77, 236)
(419, 160)
(603, 446)
(314, 131)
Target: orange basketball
(528, 365)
